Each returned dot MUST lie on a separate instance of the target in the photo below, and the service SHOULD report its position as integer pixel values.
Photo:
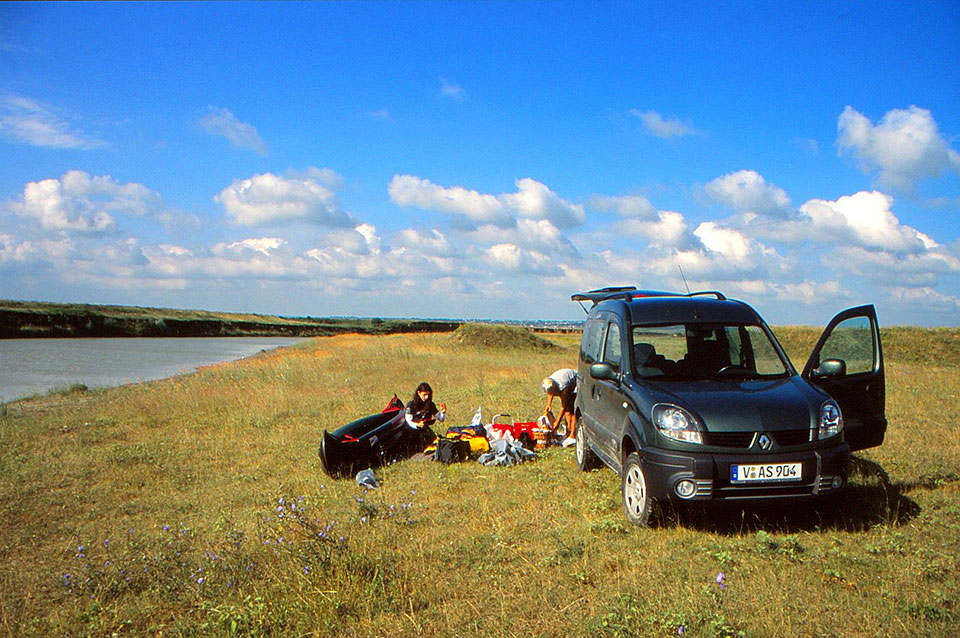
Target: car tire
(637, 504)
(586, 459)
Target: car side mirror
(604, 372)
(830, 368)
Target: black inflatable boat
(368, 442)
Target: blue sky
(481, 160)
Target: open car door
(848, 364)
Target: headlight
(676, 423)
(831, 421)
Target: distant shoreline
(31, 320)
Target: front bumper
(824, 471)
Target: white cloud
(270, 199)
(747, 190)
(668, 229)
(641, 218)
(511, 258)
(79, 202)
(409, 190)
(734, 246)
(811, 293)
(532, 200)
(262, 245)
(931, 299)
(175, 251)
(12, 250)
(636, 206)
(32, 122)
(256, 258)
(904, 147)
(864, 218)
(452, 90)
(889, 268)
(223, 123)
(352, 254)
(662, 127)
(432, 243)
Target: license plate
(765, 472)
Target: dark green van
(689, 397)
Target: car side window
(592, 340)
(611, 349)
(851, 341)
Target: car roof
(690, 310)
(670, 308)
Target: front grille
(786, 438)
(728, 439)
(768, 490)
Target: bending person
(562, 383)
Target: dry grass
(173, 490)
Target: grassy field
(197, 506)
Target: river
(31, 366)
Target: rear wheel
(637, 504)
(586, 459)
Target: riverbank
(30, 319)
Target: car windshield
(705, 351)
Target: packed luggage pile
(385, 437)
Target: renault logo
(764, 442)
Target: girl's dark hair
(423, 387)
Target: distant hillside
(500, 336)
(23, 319)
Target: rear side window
(591, 342)
(612, 350)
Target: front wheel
(637, 504)
(586, 459)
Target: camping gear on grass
(366, 479)
(525, 432)
(542, 434)
(459, 444)
(451, 450)
(505, 451)
(369, 441)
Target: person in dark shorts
(563, 384)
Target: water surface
(30, 366)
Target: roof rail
(716, 293)
(629, 293)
